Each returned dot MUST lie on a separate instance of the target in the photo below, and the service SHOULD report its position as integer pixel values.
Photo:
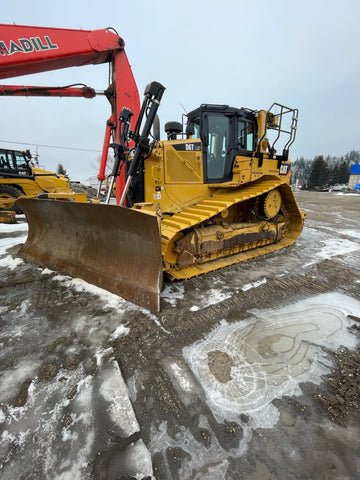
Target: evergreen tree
(301, 169)
(352, 157)
(61, 170)
(320, 174)
(344, 172)
(334, 175)
(338, 169)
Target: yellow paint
(175, 188)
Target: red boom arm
(26, 50)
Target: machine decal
(285, 169)
(188, 147)
(157, 194)
(27, 45)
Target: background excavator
(19, 175)
(215, 193)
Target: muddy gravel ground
(252, 372)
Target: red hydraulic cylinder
(40, 91)
(105, 150)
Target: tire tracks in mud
(157, 400)
(276, 292)
(185, 326)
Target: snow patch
(194, 308)
(119, 332)
(46, 271)
(214, 296)
(11, 262)
(182, 380)
(248, 286)
(346, 232)
(342, 194)
(266, 357)
(131, 385)
(157, 321)
(10, 242)
(110, 299)
(15, 376)
(334, 247)
(351, 233)
(101, 354)
(114, 391)
(198, 453)
(138, 459)
(13, 227)
(172, 293)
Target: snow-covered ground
(66, 410)
(70, 405)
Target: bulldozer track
(172, 227)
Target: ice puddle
(243, 366)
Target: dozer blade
(113, 247)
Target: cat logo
(284, 169)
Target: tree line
(320, 172)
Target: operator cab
(225, 133)
(14, 163)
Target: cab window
(20, 162)
(193, 129)
(245, 135)
(196, 133)
(6, 162)
(218, 147)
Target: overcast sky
(303, 54)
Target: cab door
(219, 152)
(21, 165)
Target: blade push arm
(153, 94)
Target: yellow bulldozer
(214, 193)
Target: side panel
(174, 175)
(29, 187)
(242, 169)
(183, 173)
(52, 182)
(183, 162)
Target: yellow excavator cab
(18, 177)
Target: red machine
(108, 237)
(26, 49)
